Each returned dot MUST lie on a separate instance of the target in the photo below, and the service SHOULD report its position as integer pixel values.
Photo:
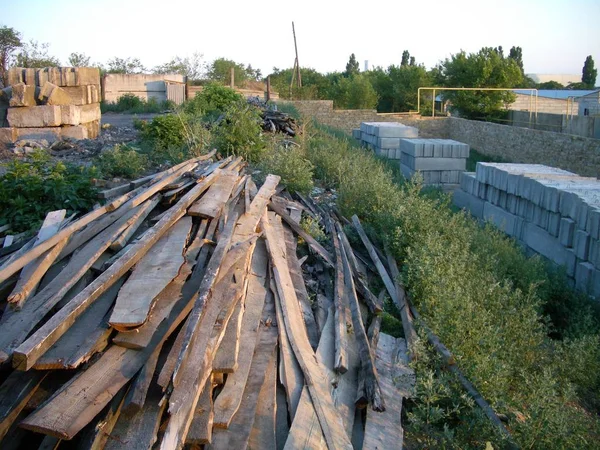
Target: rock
(39, 143)
(22, 95)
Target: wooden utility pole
(268, 88)
(297, 61)
(232, 78)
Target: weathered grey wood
(33, 272)
(322, 310)
(238, 433)
(329, 419)
(16, 325)
(300, 287)
(407, 321)
(230, 398)
(117, 190)
(307, 237)
(226, 359)
(211, 203)
(384, 429)
(290, 374)
(138, 431)
(166, 372)
(138, 390)
(263, 434)
(139, 218)
(200, 431)
(49, 443)
(368, 377)
(282, 427)
(150, 276)
(88, 335)
(30, 350)
(15, 392)
(341, 310)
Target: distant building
(564, 79)
(589, 104)
(559, 101)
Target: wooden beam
(138, 219)
(226, 359)
(314, 375)
(341, 313)
(51, 331)
(200, 431)
(263, 434)
(211, 203)
(15, 392)
(159, 266)
(138, 390)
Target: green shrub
(291, 165)
(312, 227)
(29, 190)
(163, 131)
(122, 161)
(212, 101)
(240, 133)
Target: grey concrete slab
(566, 232)
(433, 163)
(547, 245)
(394, 130)
(387, 142)
(553, 223)
(581, 244)
(503, 220)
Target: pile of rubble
(51, 104)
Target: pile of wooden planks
(179, 314)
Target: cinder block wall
(522, 145)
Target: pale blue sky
(556, 35)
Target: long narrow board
(15, 392)
(230, 398)
(139, 218)
(227, 353)
(150, 276)
(236, 437)
(200, 431)
(88, 335)
(263, 433)
(384, 429)
(211, 203)
(329, 418)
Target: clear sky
(556, 35)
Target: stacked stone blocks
(50, 103)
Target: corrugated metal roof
(561, 94)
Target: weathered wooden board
(15, 392)
(384, 429)
(263, 433)
(314, 374)
(33, 272)
(211, 203)
(138, 390)
(341, 311)
(138, 219)
(200, 431)
(150, 276)
(230, 398)
(88, 335)
(238, 433)
(226, 359)
(166, 372)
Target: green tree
(315, 85)
(589, 72)
(484, 69)
(550, 85)
(190, 66)
(516, 54)
(397, 86)
(125, 65)
(220, 70)
(405, 58)
(10, 40)
(35, 55)
(79, 60)
(352, 67)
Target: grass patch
(475, 157)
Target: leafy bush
(122, 161)
(29, 190)
(312, 227)
(240, 133)
(291, 165)
(131, 103)
(212, 101)
(163, 131)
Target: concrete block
(50, 134)
(438, 149)
(355, 132)
(581, 244)
(502, 219)
(553, 226)
(595, 284)
(8, 135)
(15, 76)
(3, 113)
(22, 95)
(467, 182)
(594, 252)
(34, 116)
(414, 147)
(386, 129)
(51, 94)
(54, 76)
(431, 176)
(68, 76)
(547, 245)
(29, 76)
(566, 232)
(70, 115)
(593, 222)
(427, 149)
(74, 132)
(433, 163)
(584, 273)
(388, 142)
(93, 128)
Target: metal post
(433, 104)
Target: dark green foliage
(405, 58)
(484, 69)
(79, 60)
(291, 164)
(163, 131)
(240, 133)
(213, 101)
(35, 55)
(475, 157)
(551, 85)
(125, 65)
(132, 104)
(220, 71)
(122, 161)
(10, 40)
(589, 73)
(29, 190)
(516, 54)
(352, 67)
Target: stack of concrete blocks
(439, 161)
(553, 212)
(384, 137)
(51, 104)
